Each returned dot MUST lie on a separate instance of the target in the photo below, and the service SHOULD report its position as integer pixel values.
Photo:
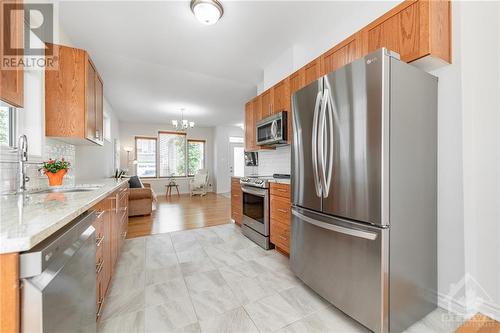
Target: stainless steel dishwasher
(59, 280)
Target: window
(107, 127)
(7, 125)
(145, 154)
(172, 154)
(196, 156)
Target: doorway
(237, 160)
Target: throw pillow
(135, 182)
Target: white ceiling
(155, 57)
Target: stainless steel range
(256, 209)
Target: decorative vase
(56, 179)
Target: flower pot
(56, 179)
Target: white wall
(481, 152)
(96, 162)
(451, 266)
(128, 131)
(222, 153)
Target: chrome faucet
(22, 151)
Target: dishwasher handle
(36, 260)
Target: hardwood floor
(181, 213)
(480, 324)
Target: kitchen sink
(67, 189)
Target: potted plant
(55, 170)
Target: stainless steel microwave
(272, 130)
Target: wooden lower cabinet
(111, 230)
(280, 211)
(236, 198)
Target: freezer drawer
(344, 262)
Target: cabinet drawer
(100, 293)
(280, 209)
(282, 190)
(280, 235)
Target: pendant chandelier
(182, 124)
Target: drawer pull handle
(282, 210)
(282, 237)
(100, 214)
(99, 309)
(282, 190)
(99, 266)
(124, 234)
(99, 240)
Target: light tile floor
(216, 280)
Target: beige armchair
(199, 183)
(140, 201)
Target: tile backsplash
(9, 171)
(272, 161)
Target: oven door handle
(257, 192)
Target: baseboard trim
(450, 304)
(491, 310)
(454, 306)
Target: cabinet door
(91, 103)
(107, 248)
(297, 80)
(99, 108)
(341, 55)
(114, 230)
(257, 114)
(249, 126)
(281, 96)
(399, 33)
(266, 104)
(312, 71)
(12, 78)
(236, 197)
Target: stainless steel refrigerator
(363, 177)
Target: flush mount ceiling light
(207, 11)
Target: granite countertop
(28, 219)
(280, 180)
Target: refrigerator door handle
(314, 143)
(327, 172)
(321, 142)
(336, 228)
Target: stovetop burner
(261, 181)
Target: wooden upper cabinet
(99, 106)
(419, 30)
(91, 103)
(266, 104)
(342, 54)
(281, 96)
(297, 81)
(414, 30)
(257, 112)
(12, 77)
(312, 71)
(249, 126)
(74, 98)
